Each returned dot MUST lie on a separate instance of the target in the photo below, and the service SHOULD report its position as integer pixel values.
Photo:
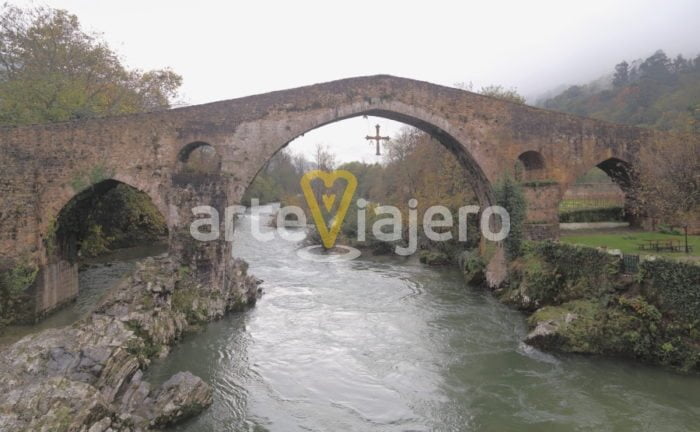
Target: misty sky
(229, 49)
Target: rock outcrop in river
(89, 377)
(585, 301)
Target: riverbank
(583, 300)
(89, 376)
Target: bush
(610, 214)
(473, 267)
(95, 242)
(14, 283)
(434, 258)
(674, 286)
(551, 273)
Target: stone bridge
(43, 167)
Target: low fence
(588, 196)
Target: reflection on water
(95, 278)
(389, 345)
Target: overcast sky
(228, 49)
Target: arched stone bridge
(44, 166)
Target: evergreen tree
(621, 77)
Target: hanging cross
(377, 138)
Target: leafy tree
(655, 67)
(494, 90)
(278, 179)
(621, 77)
(500, 92)
(52, 70)
(666, 185)
(415, 166)
(680, 64)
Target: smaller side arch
(197, 160)
(619, 171)
(600, 194)
(109, 214)
(186, 151)
(530, 165)
(111, 204)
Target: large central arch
(438, 128)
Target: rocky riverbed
(89, 376)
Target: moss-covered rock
(581, 303)
(571, 327)
(434, 258)
(89, 376)
(628, 327)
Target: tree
(52, 70)
(323, 158)
(621, 77)
(494, 90)
(654, 92)
(501, 92)
(680, 64)
(656, 67)
(466, 86)
(666, 184)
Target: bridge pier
(56, 286)
(542, 211)
(205, 261)
(209, 264)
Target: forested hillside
(657, 92)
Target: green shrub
(609, 214)
(674, 286)
(434, 258)
(473, 267)
(14, 283)
(95, 242)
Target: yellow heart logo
(328, 234)
(328, 201)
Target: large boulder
(182, 396)
(88, 377)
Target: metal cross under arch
(377, 138)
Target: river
(96, 277)
(386, 344)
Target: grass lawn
(588, 204)
(627, 241)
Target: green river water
(385, 344)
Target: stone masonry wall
(44, 166)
